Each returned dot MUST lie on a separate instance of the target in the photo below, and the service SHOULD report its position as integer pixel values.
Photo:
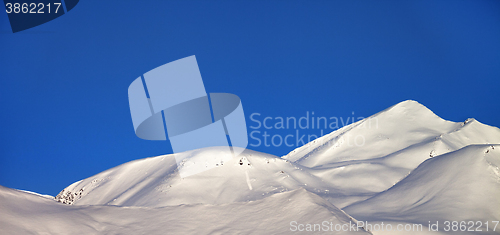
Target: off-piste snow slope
(154, 182)
(462, 186)
(402, 165)
(25, 213)
(371, 155)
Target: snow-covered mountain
(402, 165)
(396, 141)
(463, 185)
(155, 181)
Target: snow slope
(395, 141)
(24, 213)
(155, 181)
(463, 185)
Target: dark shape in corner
(33, 14)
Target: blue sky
(63, 84)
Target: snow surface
(41, 195)
(410, 167)
(397, 140)
(459, 186)
(154, 182)
(23, 213)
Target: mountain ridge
(412, 167)
(358, 175)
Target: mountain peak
(403, 124)
(409, 102)
(410, 107)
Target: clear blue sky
(63, 84)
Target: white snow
(397, 140)
(40, 195)
(459, 186)
(23, 213)
(154, 182)
(404, 165)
